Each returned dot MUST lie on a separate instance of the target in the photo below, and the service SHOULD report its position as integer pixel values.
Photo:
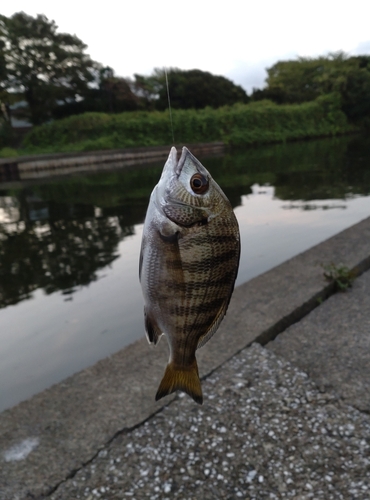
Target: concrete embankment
(265, 428)
(38, 166)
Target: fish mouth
(175, 167)
(181, 162)
(185, 154)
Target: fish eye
(199, 183)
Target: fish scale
(188, 265)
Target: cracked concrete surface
(265, 431)
(332, 344)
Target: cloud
(248, 76)
(253, 74)
(362, 48)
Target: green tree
(356, 95)
(194, 89)
(305, 79)
(113, 95)
(116, 93)
(147, 88)
(6, 132)
(45, 66)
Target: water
(69, 248)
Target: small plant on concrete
(341, 275)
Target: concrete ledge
(70, 422)
(332, 345)
(37, 166)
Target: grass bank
(238, 125)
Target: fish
(188, 265)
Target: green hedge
(238, 125)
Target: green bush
(237, 125)
(8, 152)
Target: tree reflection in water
(55, 255)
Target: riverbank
(55, 441)
(240, 125)
(30, 167)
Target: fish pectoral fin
(153, 332)
(185, 216)
(180, 378)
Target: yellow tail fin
(181, 378)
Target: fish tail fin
(185, 379)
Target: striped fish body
(188, 266)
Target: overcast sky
(237, 39)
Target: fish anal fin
(213, 328)
(180, 378)
(153, 332)
(205, 338)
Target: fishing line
(169, 106)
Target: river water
(69, 247)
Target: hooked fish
(188, 265)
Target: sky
(234, 38)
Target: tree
(116, 93)
(306, 79)
(189, 89)
(147, 88)
(113, 95)
(356, 95)
(46, 66)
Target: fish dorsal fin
(153, 332)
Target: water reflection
(313, 206)
(56, 235)
(72, 246)
(55, 255)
